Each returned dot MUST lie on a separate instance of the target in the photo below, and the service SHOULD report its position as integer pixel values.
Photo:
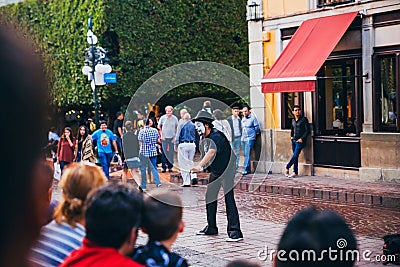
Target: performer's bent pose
(220, 160)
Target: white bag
(117, 159)
(57, 171)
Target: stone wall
(380, 157)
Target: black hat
(204, 117)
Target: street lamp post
(96, 64)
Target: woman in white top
(222, 124)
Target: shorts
(133, 162)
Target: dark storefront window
(387, 93)
(338, 111)
(289, 100)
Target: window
(338, 99)
(288, 101)
(387, 93)
(322, 3)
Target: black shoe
(206, 231)
(163, 171)
(185, 185)
(194, 181)
(170, 170)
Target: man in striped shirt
(148, 138)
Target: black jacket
(300, 129)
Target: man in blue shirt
(104, 137)
(250, 130)
(185, 145)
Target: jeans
(167, 158)
(119, 144)
(213, 187)
(151, 163)
(296, 148)
(79, 156)
(105, 160)
(247, 147)
(235, 144)
(63, 164)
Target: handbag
(117, 159)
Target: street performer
(219, 159)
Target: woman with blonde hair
(65, 233)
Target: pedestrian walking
(148, 137)
(52, 144)
(222, 124)
(118, 130)
(235, 122)
(182, 113)
(84, 146)
(66, 148)
(250, 130)
(104, 137)
(131, 150)
(207, 107)
(185, 145)
(299, 131)
(168, 124)
(219, 160)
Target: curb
(332, 194)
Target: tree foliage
(143, 38)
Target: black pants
(227, 182)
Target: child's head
(162, 214)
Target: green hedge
(143, 38)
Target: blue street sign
(110, 77)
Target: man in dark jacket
(220, 160)
(299, 131)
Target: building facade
(339, 60)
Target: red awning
(310, 46)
